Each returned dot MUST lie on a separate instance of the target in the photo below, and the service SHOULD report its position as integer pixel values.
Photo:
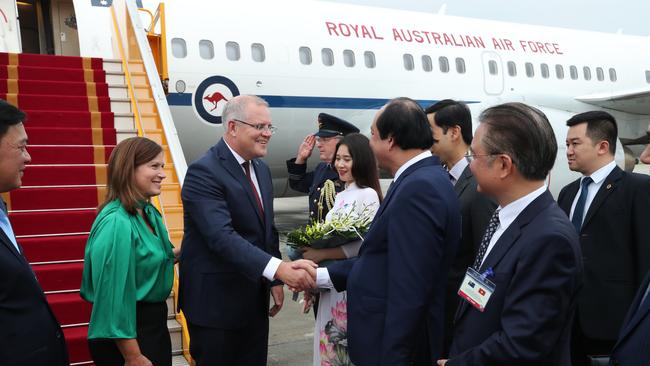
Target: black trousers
(232, 347)
(153, 338)
(583, 346)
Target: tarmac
(291, 331)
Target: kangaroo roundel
(212, 95)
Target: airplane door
(9, 27)
(492, 73)
(64, 21)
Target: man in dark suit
(29, 332)
(330, 131)
(609, 209)
(399, 277)
(451, 124)
(529, 251)
(633, 345)
(230, 257)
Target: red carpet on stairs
(71, 135)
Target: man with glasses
(519, 295)
(451, 125)
(330, 130)
(230, 261)
(29, 332)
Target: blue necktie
(579, 211)
(5, 225)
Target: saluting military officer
(321, 192)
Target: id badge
(476, 288)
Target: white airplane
(305, 57)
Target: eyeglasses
(261, 127)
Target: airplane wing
(631, 101)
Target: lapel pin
(609, 186)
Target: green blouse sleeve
(111, 252)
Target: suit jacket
(227, 242)
(615, 244)
(399, 276)
(476, 210)
(29, 332)
(633, 345)
(312, 183)
(537, 272)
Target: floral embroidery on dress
(334, 338)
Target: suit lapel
(510, 236)
(608, 186)
(566, 200)
(463, 181)
(10, 246)
(232, 166)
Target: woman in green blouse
(128, 264)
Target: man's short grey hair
(236, 108)
(523, 133)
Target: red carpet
(71, 135)
(69, 154)
(39, 87)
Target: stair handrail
(159, 18)
(160, 99)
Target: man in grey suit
(451, 124)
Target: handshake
(299, 275)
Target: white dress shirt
(598, 178)
(322, 275)
(457, 170)
(274, 263)
(509, 213)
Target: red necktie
(247, 168)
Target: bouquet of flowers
(345, 226)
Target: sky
(597, 15)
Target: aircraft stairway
(78, 110)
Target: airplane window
(305, 55)
(257, 51)
(460, 65)
(369, 58)
(530, 71)
(493, 68)
(348, 58)
(232, 51)
(179, 48)
(327, 56)
(409, 64)
(443, 62)
(647, 76)
(544, 70)
(600, 74)
(206, 50)
(427, 64)
(559, 71)
(574, 72)
(612, 75)
(512, 68)
(587, 72)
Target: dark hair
(404, 120)
(364, 165)
(523, 133)
(9, 116)
(450, 113)
(600, 126)
(125, 158)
